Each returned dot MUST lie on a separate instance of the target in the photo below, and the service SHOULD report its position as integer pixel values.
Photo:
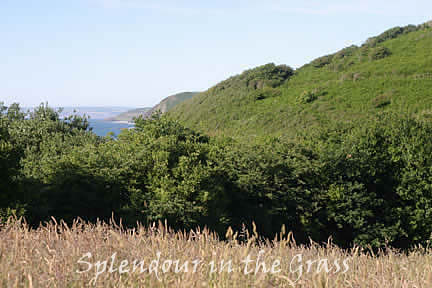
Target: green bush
(322, 61)
(391, 34)
(265, 93)
(366, 183)
(382, 100)
(10, 156)
(379, 183)
(379, 53)
(346, 52)
(307, 97)
(268, 75)
(310, 96)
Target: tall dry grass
(49, 256)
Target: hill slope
(164, 106)
(129, 115)
(392, 71)
(170, 102)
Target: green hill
(129, 115)
(164, 106)
(392, 71)
(171, 101)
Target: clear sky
(136, 52)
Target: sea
(102, 127)
(99, 118)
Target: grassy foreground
(57, 255)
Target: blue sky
(136, 52)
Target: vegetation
(392, 33)
(365, 184)
(337, 151)
(130, 115)
(171, 101)
(379, 53)
(390, 64)
(62, 247)
(164, 106)
(310, 96)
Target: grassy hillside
(392, 71)
(170, 102)
(129, 115)
(164, 106)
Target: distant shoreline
(120, 121)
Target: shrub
(322, 61)
(268, 75)
(364, 184)
(382, 100)
(387, 35)
(10, 156)
(310, 96)
(336, 66)
(265, 93)
(379, 53)
(410, 28)
(346, 52)
(364, 50)
(377, 169)
(391, 34)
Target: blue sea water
(98, 115)
(103, 127)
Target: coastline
(121, 122)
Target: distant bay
(103, 127)
(99, 117)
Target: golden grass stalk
(58, 255)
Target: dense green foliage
(365, 184)
(25, 138)
(8, 167)
(392, 33)
(389, 72)
(378, 179)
